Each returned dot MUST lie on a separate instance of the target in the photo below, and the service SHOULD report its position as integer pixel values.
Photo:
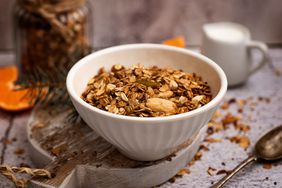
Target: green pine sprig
(47, 86)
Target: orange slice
(178, 41)
(11, 99)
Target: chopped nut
(110, 87)
(243, 141)
(229, 118)
(173, 85)
(198, 98)
(242, 127)
(151, 91)
(164, 88)
(182, 99)
(89, 96)
(161, 105)
(132, 78)
(166, 94)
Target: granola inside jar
(51, 33)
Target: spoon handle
(234, 171)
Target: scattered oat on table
(267, 165)
(211, 171)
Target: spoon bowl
(269, 146)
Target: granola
(146, 92)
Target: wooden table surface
(263, 111)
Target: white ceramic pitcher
(229, 44)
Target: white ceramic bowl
(143, 138)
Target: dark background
(129, 21)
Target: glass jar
(51, 34)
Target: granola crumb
(19, 151)
(242, 127)
(212, 140)
(223, 171)
(243, 141)
(172, 180)
(182, 172)
(6, 141)
(229, 118)
(267, 166)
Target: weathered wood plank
(95, 162)
(17, 153)
(5, 125)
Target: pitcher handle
(262, 47)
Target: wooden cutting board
(80, 158)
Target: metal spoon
(268, 147)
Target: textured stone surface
(261, 117)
